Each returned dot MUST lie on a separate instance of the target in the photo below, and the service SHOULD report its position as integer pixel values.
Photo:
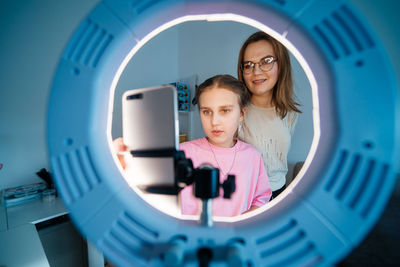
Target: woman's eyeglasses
(265, 64)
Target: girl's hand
(119, 148)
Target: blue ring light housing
(350, 170)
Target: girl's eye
(206, 112)
(226, 110)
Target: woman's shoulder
(291, 119)
(292, 116)
(248, 148)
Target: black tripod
(206, 186)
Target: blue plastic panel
(342, 192)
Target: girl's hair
(282, 95)
(227, 82)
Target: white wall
(33, 35)
(154, 64)
(192, 48)
(207, 49)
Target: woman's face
(260, 83)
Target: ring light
(350, 169)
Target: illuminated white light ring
(305, 213)
(255, 24)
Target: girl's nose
(215, 120)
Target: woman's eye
(247, 66)
(226, 110)
(206, 112)
(267, 60)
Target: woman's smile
(259, 81)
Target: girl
(222, 100)
(264, 67)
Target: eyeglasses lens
(265, 65)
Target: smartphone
(150, 129)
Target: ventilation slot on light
(89, 45)
(129, 236)
(336, 174)
(79, 176)
(141, 6)
(348, 178)
(343, 34)
(303, 255)
(368, 190)
(354, 28)
(128, 254)
(356, 182)
(284, 229)
(292, 242)
(344, 175)
(128, 222)
(279, 2)
(376, 182)
(365, 182)
(321, 34)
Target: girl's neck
(222, 145)
(262, 101)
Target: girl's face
(260, 83)
(220, 115)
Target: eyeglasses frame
(259, 65)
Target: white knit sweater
(271, 135)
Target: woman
(264, 66)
